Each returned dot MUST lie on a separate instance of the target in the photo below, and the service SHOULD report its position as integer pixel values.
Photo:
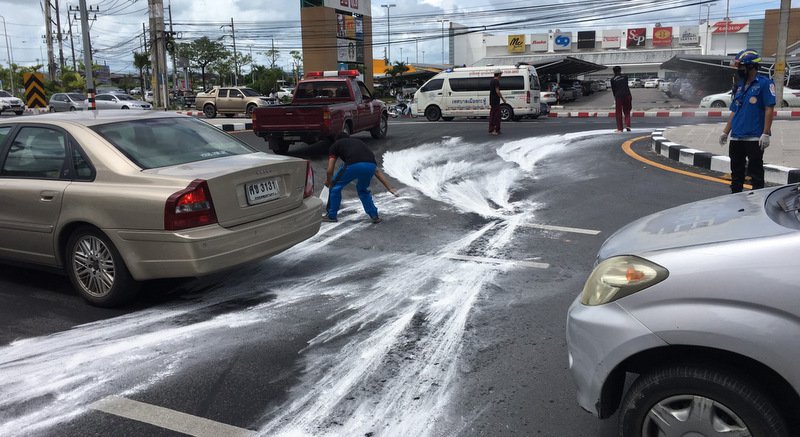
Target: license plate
(262, 191)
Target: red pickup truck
(325, 105)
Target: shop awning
(565, 65)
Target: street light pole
(388, 32)
(10, 59)
(727, 25)
(442, 21)
(708, 23)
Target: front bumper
(208, 249)
(599, 338)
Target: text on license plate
(262, 191)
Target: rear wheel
(249, 111)
(718, 104)
(209, 111)
(433, 113)
(125, 107)
(688, 400)
(346, 130)
(506, 113)
(96, 269)
(279, 146)
(380, 130)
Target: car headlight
(620, 276)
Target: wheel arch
(771, 382)
(63, 237)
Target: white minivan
(464, 92)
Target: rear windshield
(165, 142)
(319, 89)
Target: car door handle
(47, 195)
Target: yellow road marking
(626, 147)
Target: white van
(464, 92)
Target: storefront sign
(662, 36)
(586, 39)
(690, 35)
(562, 41)
(346, 50)
(637, 37)
(612, 39)
(719, 27)
(361, 7)
(516, 43)
(539, 42)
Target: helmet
(746, 57)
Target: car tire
(785, 104)
(670, 395)
(346, 131)
(447, 118)
(51, 109)
(433, 113)
(249, 111)
(381, 129)
(209, 111)
(124, 107)
(90, 257)
(506, 113)
(279, 146)
(19, 112)
(718, 104)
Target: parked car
(115, 197)
(111, 90)
(60, 102)
(665, 86)
(548, 97)
(689, 322)
(601, 85)
(9, 103)
(284, 92)
(652, 82)
(635, 83)
(230, 101)
(791, 98)
(119, 101)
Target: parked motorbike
(400, 110)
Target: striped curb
(233, 127)
(773, 174)
(663, 114)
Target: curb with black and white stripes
(773, 174)
(231, 127)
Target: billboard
(346, 50)
(361, 7)
(637, 37)
(539, 42)
(516, 43)
(662, 36)
(586, 39)
(720, 27)
(349, 38)
(612, 39)
(689, 35)
(562, 41)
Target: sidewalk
(699, 146)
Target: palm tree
(396, 70)
(141, 61)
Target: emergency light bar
(333, 73)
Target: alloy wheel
(93, 265)
(692, 415)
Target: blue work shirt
(749, 106)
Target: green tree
(273, 55)
(266, 79)
(297, 59)
(203, 52)
(141, 61)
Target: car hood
(725, 218)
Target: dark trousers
(746, 154)
(494, 119)
(623, 106)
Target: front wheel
(689, 400)
(249, 111)
(718, 104)
(433, 113)
(209, 111)
(279, 146)
(96, 269)
(125, 107)
(380, 130)
(506, 113)
(19, 112)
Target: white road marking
(561, 228)
(507, 262)
(168, 419)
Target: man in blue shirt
(750, 123)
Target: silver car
(60, 102)
(702, 303)
(117, 197)
(119, 101)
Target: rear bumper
(208, 249)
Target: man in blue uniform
(358, 164)
(750, 124)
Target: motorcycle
(400, 110)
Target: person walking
(622, 98)
(495, 96)
(750, 123)
(358, 163)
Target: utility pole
(235, 56)
(727, 25)
(87, 55)
(389, 32)
(708, 25)
(10, 59)
(60, 37)
(72, 42)
(416, 50)
(442, 21)
(51, 62)
(780, 60)
(172, 36)
(158, 53)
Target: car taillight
(528, 98)
(326, 115)
(190, 207)
(309, 189)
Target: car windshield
(164, 142)
(4, 94)
(76, 96)
(250, 92)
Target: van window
(535, 83)
(473, 84)
(432, 85)
(512, 83)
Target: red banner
(719, 27)
(637, 37)
(662, 36)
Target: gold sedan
(115, 198)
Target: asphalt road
(445, 319)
